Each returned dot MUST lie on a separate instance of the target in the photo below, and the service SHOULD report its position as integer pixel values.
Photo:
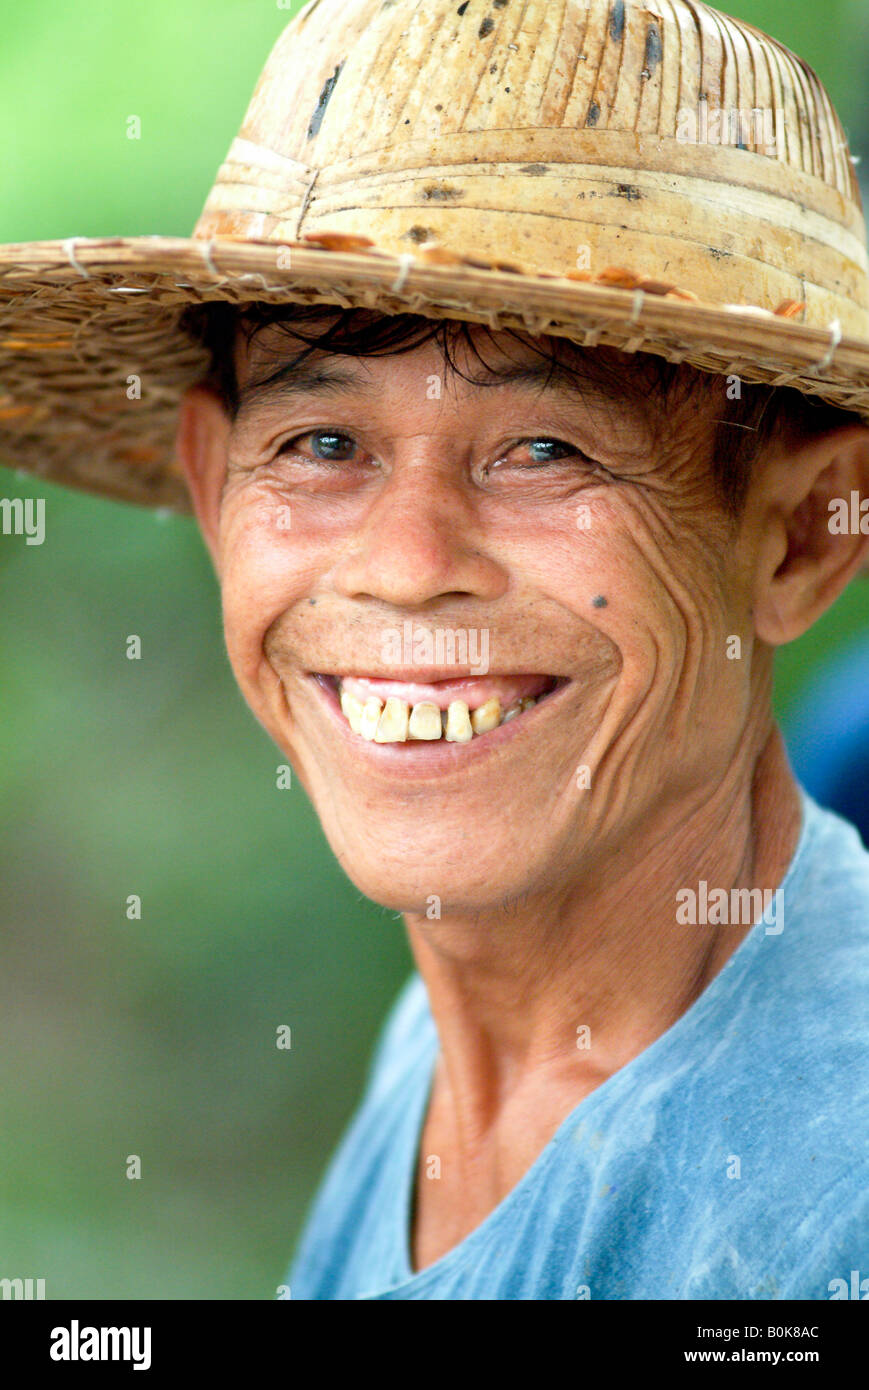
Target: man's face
(584, 561)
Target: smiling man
(579, 1102)
(506, 544)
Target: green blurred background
(157, 1037)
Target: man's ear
(806, 556)
(201, 445)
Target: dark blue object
(828, 737)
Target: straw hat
(654, 177)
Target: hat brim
(93, 362)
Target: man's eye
(330, 445)
(333, 446)
(544, 450)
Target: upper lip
(431, 675)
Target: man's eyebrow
(306, 379)
(555, 376)
(319, 379)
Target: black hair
(747, 424)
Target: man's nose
(420, 540)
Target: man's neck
(561, 993)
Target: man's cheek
(667, 637)
(254, 594)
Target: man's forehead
(268, 371)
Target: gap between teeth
(398, 722)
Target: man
(542, 864)
(509, 601)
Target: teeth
(393, 722)
(487, 716)
(458, 728)
(370, 717)
(352, 709)
(425, 721)
(397, 722)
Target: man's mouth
(455, 710)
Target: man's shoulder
(354, 1204)
(791, 1001)
(825, 893)
(831, 850)
(823, 946)
(407, 1031)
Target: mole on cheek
(598, 602)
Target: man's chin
(431, 886)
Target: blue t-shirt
(727, 1160)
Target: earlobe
(201, 444)
(807, 556)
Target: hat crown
(662, 136)
(347, 79)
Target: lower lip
(433, 755)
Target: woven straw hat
(654, 177)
